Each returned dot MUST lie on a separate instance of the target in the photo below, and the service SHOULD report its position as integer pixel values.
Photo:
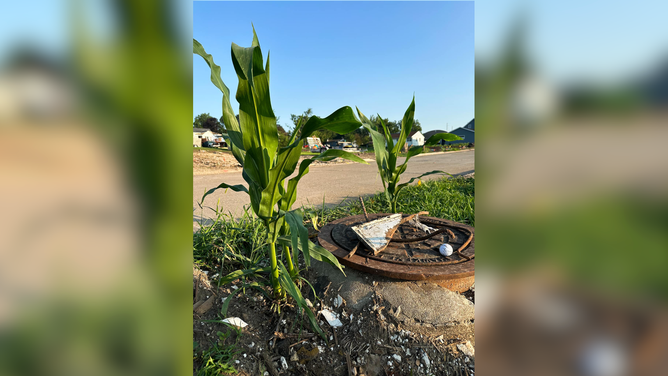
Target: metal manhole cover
(406, 259)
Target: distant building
(428, 135)
(202, 134)
(415, 138)
(466, 133)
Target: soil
(370, 342)
(206, 162)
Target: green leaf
(236, 188)
(258, 122)
(316, 252)
(292, 289)
(298, 233)
(229, 119)
(291, 192)
(341, 121)
(406, 127)
(433, 140)
(413, 151)
(226, 303)
(402, 186)
(241, 273)
(382, 156)
(388, 136)
(286, 163)
(321, 254)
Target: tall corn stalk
(253, 141)
(387, 153)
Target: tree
(207, 121)
(392, 126)
(416, 126)
(283, 136)
(200, 119)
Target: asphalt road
(333, 182)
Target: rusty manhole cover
(417, 260)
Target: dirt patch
(206, 162)
(372, 340)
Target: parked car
(208, 144)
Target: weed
(217, 359)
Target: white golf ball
(445, 249)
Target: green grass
(228, 244)
(452, 199)
(218, 358)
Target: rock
(338, 301)
(284, 363)
(235, 321)
(204, 307)
(331, 318)
(425, 360)
(307, 355)
(427, 302)
(354, 289)
(397, 358)
(466, 349)
(294, 357)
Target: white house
(415, 138)
(201, 134)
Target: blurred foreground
(95, 248)
(572, 210)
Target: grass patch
(452, 199)
(227, 244)
(218, 358)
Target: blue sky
(325, 55)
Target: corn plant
(253, 140)
(387, 153)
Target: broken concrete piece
(466, 349)
(376, 234)
(235, 321)
(331, 318)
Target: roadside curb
(444, 152)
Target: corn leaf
(341, 121)
(236, 188)
(433, 140)
(406, 127)
(298, 233)
(241, 273)
(292, 289)
(229, 119)
(402, 186)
